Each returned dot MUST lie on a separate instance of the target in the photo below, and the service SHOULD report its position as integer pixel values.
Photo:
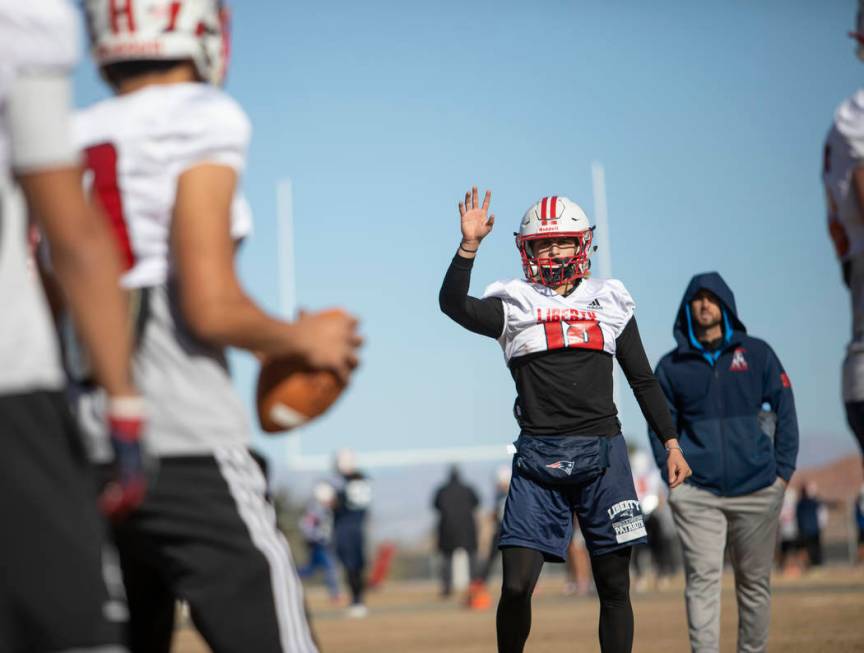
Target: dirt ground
(823, 612)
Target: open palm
(475, 219)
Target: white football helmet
(324, 493)
(141, 30)
(345, 461)
(555, 217)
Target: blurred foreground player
(843, 177)
(559, 330)
(166, 154)
(53, 595)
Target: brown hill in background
(839, 480)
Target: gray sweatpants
(705, 522)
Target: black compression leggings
(611, 576)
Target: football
(289, 395)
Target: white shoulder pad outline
(501, 290)
(39, 34)
(219, 130)
(622, 295)
(498, 288)
(849, 122)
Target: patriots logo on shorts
(564, 465)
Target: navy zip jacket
(716, 397)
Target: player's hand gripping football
(475, 221)
(328, 340)
(125, 491)
(676, 466)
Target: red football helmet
(555, 217)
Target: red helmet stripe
(543, 208)
(172, 17)
(553, 208)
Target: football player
(559, 330)
(53, 593)
(166, 154)
(843, 177)
(353, 499)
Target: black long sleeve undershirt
(630, 354)
(565, 391)
(483, 316)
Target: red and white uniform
(844, 152)
(538, 319)
(38, 49)
(136, 147)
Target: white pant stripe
(247, 485)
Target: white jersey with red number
(844, 151)
(536, 318)
(136, 148)
(38, 37)
(138, 145)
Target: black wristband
(470, 251)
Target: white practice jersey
(37, 37)
(136, 147)
(844, 151)
(536, 318)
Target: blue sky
(709, 119)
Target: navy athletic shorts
(557, 476)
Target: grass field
(823, 612)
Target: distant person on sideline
(455, 502)
(316, 525)
(353, 498)
(810, 516)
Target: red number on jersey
(102, 162)
(584, 334)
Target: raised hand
(475, 221)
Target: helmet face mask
(161, 30)
(555, 218)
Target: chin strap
(562, 273)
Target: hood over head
(732, 324)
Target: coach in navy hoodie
(717, 382)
